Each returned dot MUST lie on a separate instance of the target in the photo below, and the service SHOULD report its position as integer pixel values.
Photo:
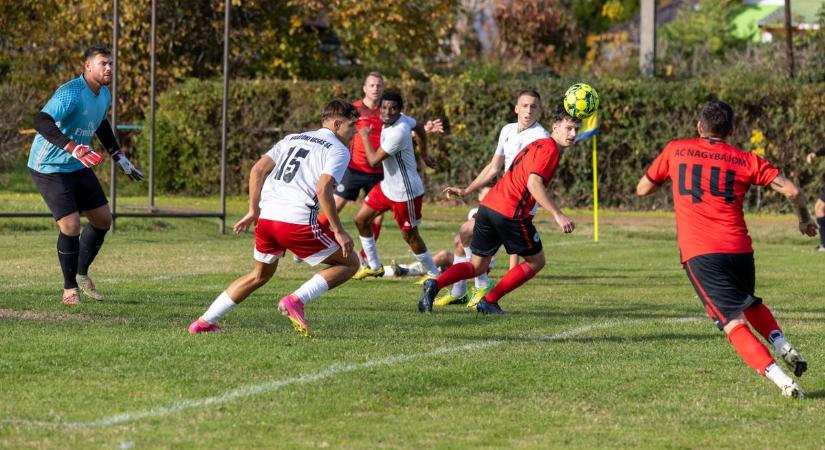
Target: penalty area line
(328, 372)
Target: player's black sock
(821, 222)
(90, 242)
(67, 249)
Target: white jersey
(288, 194)
(401, 181)
(511, 141)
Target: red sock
(750, 349)
(762, 320)
(376, 230)
(514, 278)
(456, 272)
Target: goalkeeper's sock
(459, 287)
(219, 308)
(762, 320)
(821, 222)
(90, 242)
(368, 245)
(67, 250)
(514, 278)
(750, 349)
(312, 289)
(456, 272)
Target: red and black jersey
(368, 117)
(710, 180)
(510, 196)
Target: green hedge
(637, 118)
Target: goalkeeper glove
(84, 154)
(127, 166)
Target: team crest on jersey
(536, 237)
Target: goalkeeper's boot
(365, 272)
(793, 359)
(450, 299)
(486, 307)
(88, 287)
(201, 326)
(70, 297)
(793, 391)
(478, 294)
(292, 307)
(428, 292)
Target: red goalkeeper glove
(84, 154)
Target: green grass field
(608, 347)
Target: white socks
(219, 308)
(312, 289)
(459, 287)
(777, 375)
(368, 244)
(427, 260)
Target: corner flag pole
(595, 192)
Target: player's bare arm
(645, 186)
(487, 174)
(420, 137)
(257, 176)
(807, 225)
(324, 189)
(535, 184)
(374, 156)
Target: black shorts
(822, 194)
(492, 229)
(70, 192)
(354, 181)
(725, 282)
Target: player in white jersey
(401, 190)
(287, 188)
(513, 137)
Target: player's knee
(409, 236)
(465, 233)
(70, 227)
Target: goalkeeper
(60, 164)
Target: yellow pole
(595, 192)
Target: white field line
(306, 378)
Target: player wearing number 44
(288, 186)
(710, 179)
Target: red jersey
(710, 180)
(371, 117)
(510, 196)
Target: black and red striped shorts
(725, 283)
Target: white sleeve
(392, 139)
(500, 146)
(273, 152)
(410, 121)
(336, 163)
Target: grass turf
(607, 347)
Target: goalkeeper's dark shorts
(354, 181)
(69, 192)
(822, 194)
(725, 284)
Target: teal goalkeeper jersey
(77, 111)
